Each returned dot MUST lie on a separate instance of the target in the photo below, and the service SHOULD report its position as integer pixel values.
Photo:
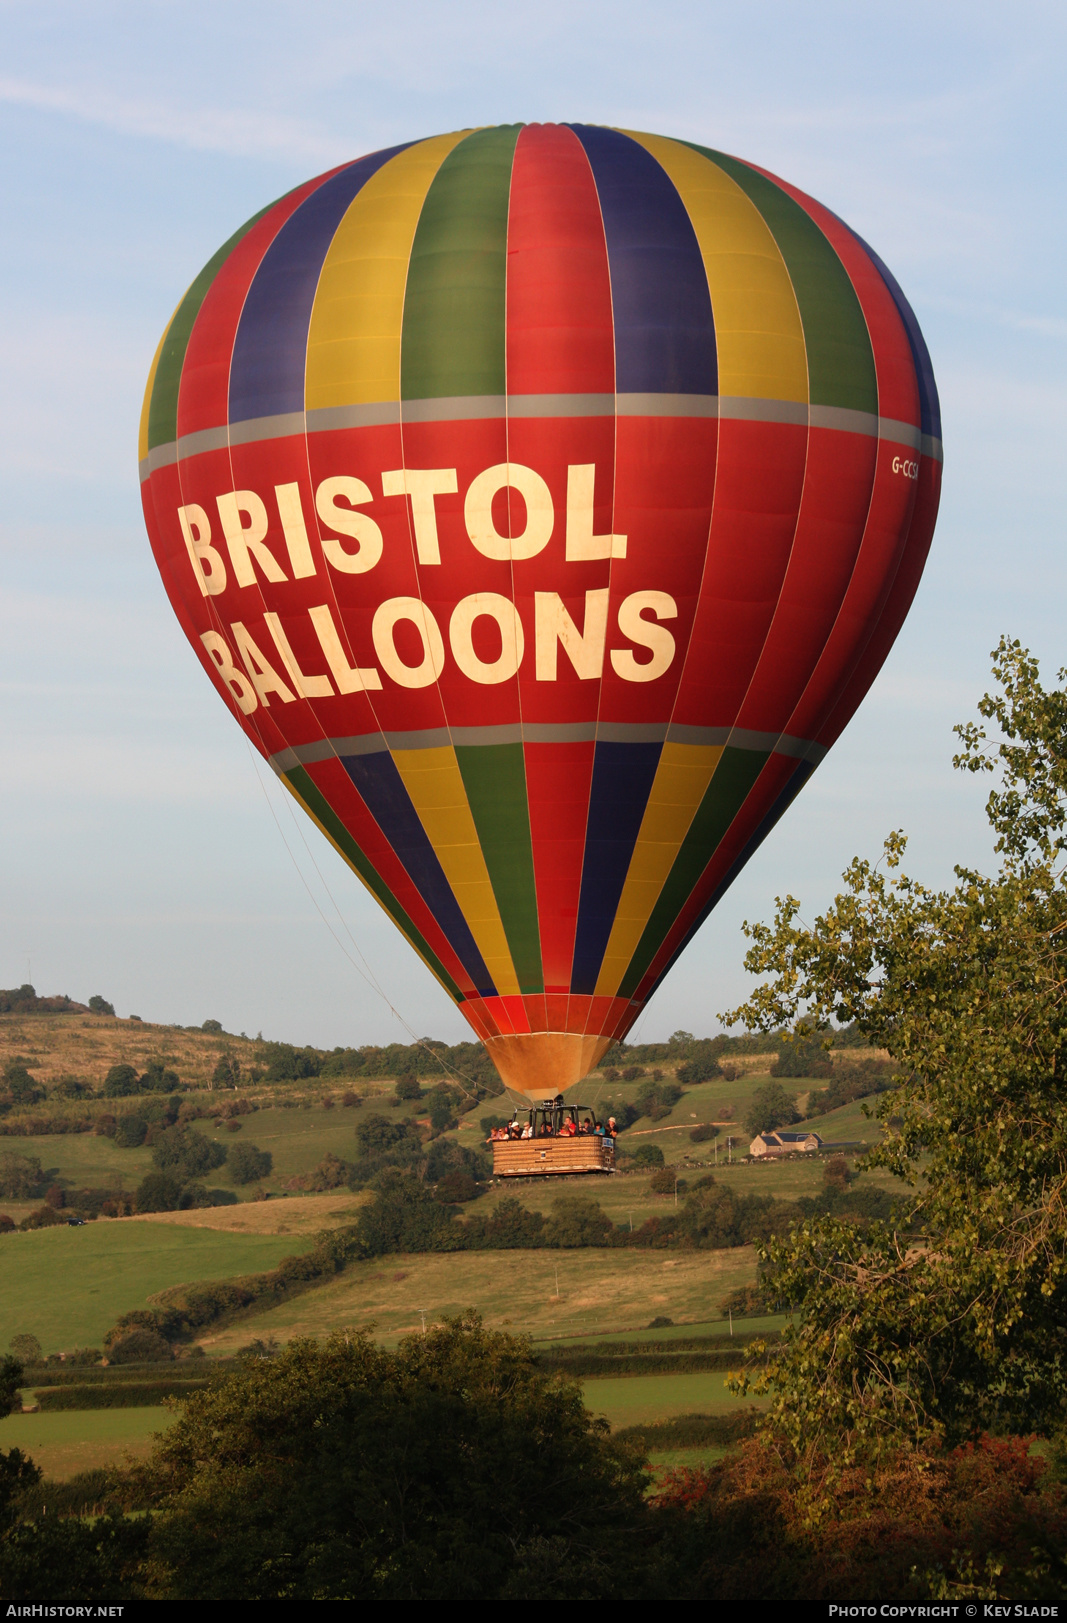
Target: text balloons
(543, 500)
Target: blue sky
(145, 855)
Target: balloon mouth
(538, 1065)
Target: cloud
(235, 132)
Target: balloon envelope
(542, 500)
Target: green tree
(100, 1005)
(770, 1107)
(440, 1470)
(248, 1163)
(577, 1221)
(227, 1072)
(11, 1380)
(158, 1192)
(20, 1175)
(185, 1153)
(120, 1082)
(957, 1323)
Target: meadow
(67, 1286)
(537, 1293)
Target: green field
(598, 1291)
(67, 1286)
(74, 1440)
(630, 1400)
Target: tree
(100, 1005)
(158, 1192)
(452, 1466)
(120, 1082)
(20, 1175)
(407, 1088)
(227, 1072)
(212, 1026)
(158, 1079)
(770, 1107)
(701, 1069)
(577, 1221)
(130, 1130)
(185, 1153)
(958, 1323)
(11, 1378)
(248, 1163)
(21, 1087)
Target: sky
(145, 856)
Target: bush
(20, 1086)
(457, 1187)
(704, 1133)
(120, 1394)
(130, 1131)
(663, 1182)
(213, 1026)
(157, 1079)
(660, 1322)
(120, 1082)
(646, 1155)
(27, 1349)
(658, 1099)
(407, 1089)
(45, 1217)
(158, 1192)
(7, 1224)
(351, 1101)
(288, 1064)
(20, 1175)
(248, 1163)
(139, 1347)
(632, 1073)
(835, 1174)
(227, 1072)
(698, 1070)
(194, 1197)
(186, 1154)
(100, 1005)
(577, 1221)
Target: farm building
(782, 1143)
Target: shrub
(227, 1072)
(704, 1133)
(120, 1082)
(698, 1070)
(130, 1131)
(7, 1224)
(100, 1005)
(20, 1086)
(647, 1155)
(351, 1101)
(157, 1079)
(577, 1221)
(45, 1217)
(248, 1163)
(233, 1125)
(663, 1182)
(139, 1347)
(835, 1174)
(20, 1175)
(658, 1099)
(27, 1349)
(195, 1197)
(632, 1073)
(56, 1197)
(660, 1322)
(158, 1192)
(458, 1187)
(213, 1026)
(407, 1089)
(186, 1154)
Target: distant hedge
(119, 1395)
(693, 1430)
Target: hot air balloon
(542, 500)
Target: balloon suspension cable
(363, 969)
